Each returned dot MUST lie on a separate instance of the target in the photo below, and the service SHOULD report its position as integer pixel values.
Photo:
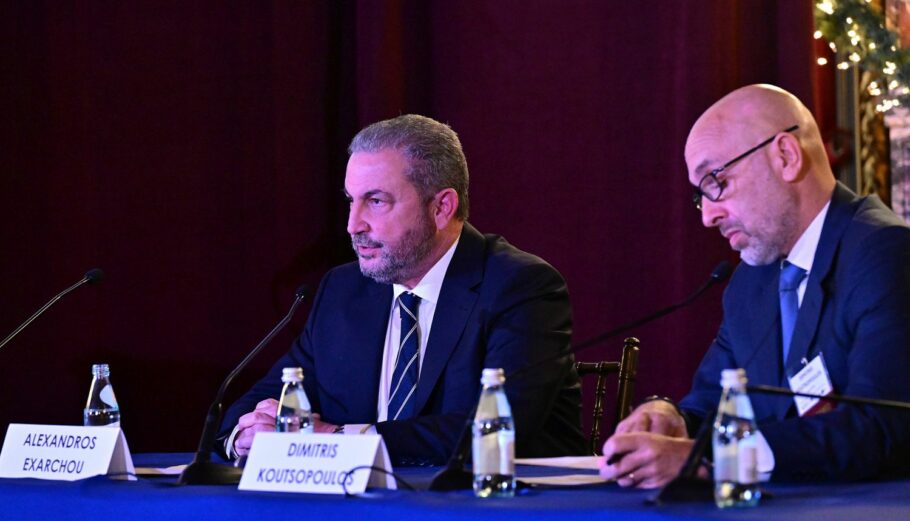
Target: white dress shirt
(802, 254)
(428, 290)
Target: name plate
(316, 463)
(64, 453)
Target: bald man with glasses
(824, 285)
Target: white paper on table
(567, 462)
(174, 470)
(570, 463)
(565, 480)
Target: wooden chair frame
(627, 368)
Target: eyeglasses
(711, 188)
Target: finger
(269, 404)
(655, 476)
(663, 425)
(619, 465)
(608, 472)
(633, 466)
(608, 465)
(610, 456)
(651, 482)
(243, 442)
(609, 448)
(244, 438)
(664, 461)
(255, 418)
(626, 480)
(630, 478)
(622, 443)
(634, 423)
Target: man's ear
(444, 206)
(788, 157)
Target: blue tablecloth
(159, 498)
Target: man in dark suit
(396, 342)
(779, 205)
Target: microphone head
(301, 292)
(721, 272)
(94, 276)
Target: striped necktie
(404, 378)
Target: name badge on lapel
(813, 379)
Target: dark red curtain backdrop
(196, 153)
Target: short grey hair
(433, 150)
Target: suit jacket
(498, 307)
(856, 311)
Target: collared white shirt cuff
(229, 443)
(765, 458)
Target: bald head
(752, 113)
(757, 109)
(771, 195)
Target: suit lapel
(364, 348)
(817, 290)
(456, 301)
(763, 363)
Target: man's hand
(262, 419)
(643, 459)
(656, 416)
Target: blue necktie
(404, 378)
(790, 277)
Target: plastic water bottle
(735, 445)
(101, 407)
(494, 439)
(294, 408)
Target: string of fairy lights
(858, 35)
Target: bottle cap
(101, 370)
(492, 377)
(733, 378)
(292, 374)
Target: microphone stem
(38, 313)
(768, 389)
(213, 418)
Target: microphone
(455, 477)
(719, 274)
(93, 276)
(686, 486)
(202, 471)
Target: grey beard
(397, 263)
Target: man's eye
(375, 202)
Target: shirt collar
(431, 284)
(803, 252)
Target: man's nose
(356, 224)
(712, 213)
